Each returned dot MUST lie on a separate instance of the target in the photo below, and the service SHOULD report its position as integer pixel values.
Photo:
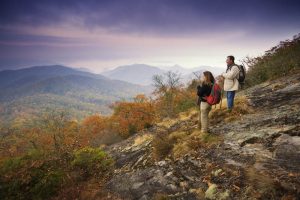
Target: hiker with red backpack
(204, 92)
(233, 76)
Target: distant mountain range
(28, 91)
(142, 74)
(137, 73)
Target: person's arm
(198, 90)
(233, 73)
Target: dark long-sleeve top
(203, 91)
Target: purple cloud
(156, 16)
(118, 29)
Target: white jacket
(231, 83)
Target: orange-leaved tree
(93, 127)
(130, 117)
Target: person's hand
(220, 78)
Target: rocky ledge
(259, 157)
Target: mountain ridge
(137, 73)
(73, 86)
(142, 74)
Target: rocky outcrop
(259, 157)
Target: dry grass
(180, 149)
(199, 192)
(183, 116)
(241, 107)
(205, 139)
(177, 135)
(167, 122)
(160, 196)
(179, 143)
(188, 114)
(264, 187)
(162, 146)
(178, 140)
(186, 143)
(142, 139)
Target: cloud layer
(109, 32)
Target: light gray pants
(203, 116)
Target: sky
(103, 34)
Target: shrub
(92, 161)
(42, 175)
(107, 137)
(276, 62)
(132, 129)
(35, 175)
(162, 146)
(186, 100)
(48, 184)
(131, 117)
(167, 89)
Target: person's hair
(209, 78)
(231, 58)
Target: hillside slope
(254, 156)
(32, 90)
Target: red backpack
(215, 95)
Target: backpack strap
(229, 67)
(212, 89)
(237, 67)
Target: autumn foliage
(93, 127)
(41, 157)
(280, 60)
(57, 131)
(171, 95)
(130, 117)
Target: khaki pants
(203, 116)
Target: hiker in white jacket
(231, 84)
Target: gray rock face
(287, 152)
(260, 151)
